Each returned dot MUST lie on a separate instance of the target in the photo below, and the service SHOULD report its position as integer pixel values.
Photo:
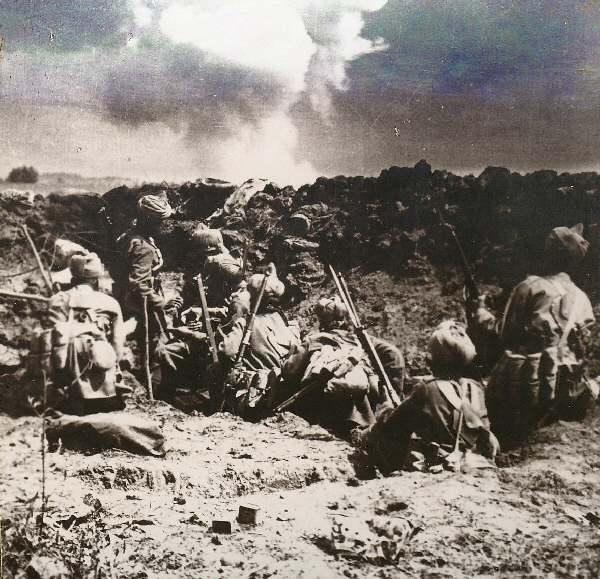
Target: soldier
(268, 346)
(88, 336)
(334, 357)
(541, 374)
(333, 317)
(144, 260)
(64, 250)
(448, 410)
(223, 272)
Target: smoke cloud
(227, 73)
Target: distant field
(64, 183)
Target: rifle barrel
(364, 338)
(207, 322)
(38, 259)
(297, 396)
(250, 323)
(23, 296)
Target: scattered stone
(248, 514)
(47, 568)
(220, 526)
(232, 560)
(142, 522)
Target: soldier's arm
(231, 343)
(393, 362)
(483, 320)
(57, 309)
(118, 334)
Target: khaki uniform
(363, 393)
(432, 412)
(248, 386)
(86, 362)
(542, 333)
(271, 340)
(144, 259)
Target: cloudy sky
(293, 89)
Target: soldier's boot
(387, 454)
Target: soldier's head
(565, 248)
(274, 288)
(152, 210)
(226, 268)
(64, 250)
(332, 314)
(208, 241)
(451, 349)
(86, 269)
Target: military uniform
(541, 374)
(87, 339)
(543, 334)
(446, 410)
(144, 260)
(433, 413)
(247, 384)
(357, 393)
(271, 340)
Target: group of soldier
(254, 361)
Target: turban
(330, 310)
(225, 265)
(208, 239)
(273, 289)
(86, 266)
(64, 250)
(566, 243)
(154, 207)
(450, 346)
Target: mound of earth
(321, 514)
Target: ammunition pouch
(246, 392)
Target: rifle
(245, 342)
(148, 372)
(23, 296)
(470, 285)
(207, 322)
(38, 259)
(245, 259)
(250, 324)
(363, 336)
(304, 391)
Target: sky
(290, 90)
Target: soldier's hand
(195, 326)
(473, 303)
(174, 304)
(93, 330)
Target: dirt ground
(321, 512)
(113, 514)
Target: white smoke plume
(304, 44)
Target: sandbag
(107, 430)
